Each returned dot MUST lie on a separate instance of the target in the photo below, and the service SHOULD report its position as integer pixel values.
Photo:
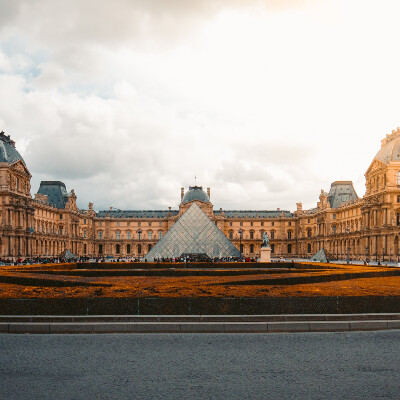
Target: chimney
(182, 193)
(208, 193)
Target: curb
(195, 327)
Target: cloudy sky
(265, 101)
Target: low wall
(200, 306)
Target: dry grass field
(216, 280)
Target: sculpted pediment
(20, 167)
(375, 166)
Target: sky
(265, 101)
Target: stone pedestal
(265, 254)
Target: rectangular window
(118, 223)
(160, 235)
(160, 223)
(128, 224)
(84, 233)
(272, 223)
(100, 235)
(241, 223)
(139, 223)
(262, 223)
(150, 234)
(100, 223)
(118, 235)
(230, 223)
(149, 223)
(289, 234)
(251, 223)
(84, 220)
(398, 219)
(61, 216)
(128, 235)
(289, 224)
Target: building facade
(343, 224)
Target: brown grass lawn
(52, 281)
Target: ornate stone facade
(342, 223)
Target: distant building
(342, 223)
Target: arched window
(251, 248)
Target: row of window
(130, 235)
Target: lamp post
(240, 242)
(139, 232)
(31, 235)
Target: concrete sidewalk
(199, 323)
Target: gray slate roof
(390, 151)
(341, 192)
(165, 213)
(56, 192)
(195, 193)
(254, 213)
(136, 213)
(8, 152)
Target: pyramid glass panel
(193, 233)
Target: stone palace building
(341, 223)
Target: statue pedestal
(265, 254)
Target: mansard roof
(255, 213)
(115, 213)
(341, 192)
(8, 152)
(56, 192)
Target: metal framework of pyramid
(193, 233)
(322, 256)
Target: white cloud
(267, 102)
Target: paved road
(356, 365)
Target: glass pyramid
(193, 233)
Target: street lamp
(139, 232)
(240, 241)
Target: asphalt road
(356, 365)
